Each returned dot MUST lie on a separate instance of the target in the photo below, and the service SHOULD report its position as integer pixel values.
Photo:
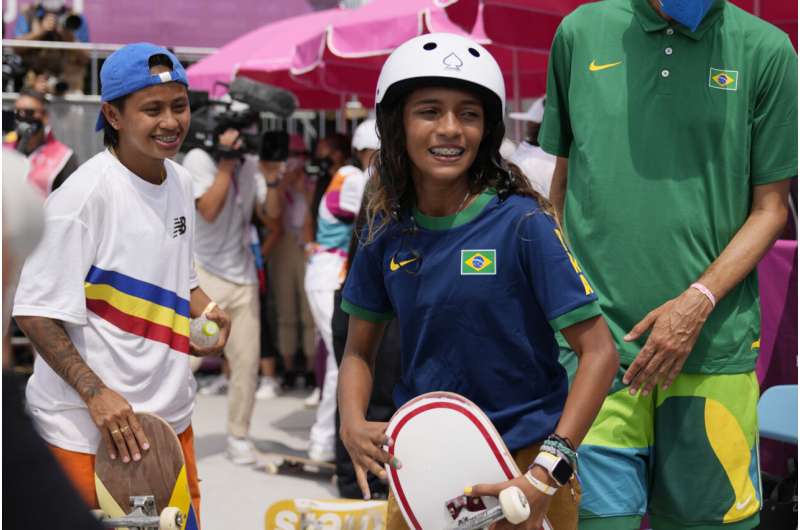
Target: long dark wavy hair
(392, 191)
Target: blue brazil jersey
(478, 296)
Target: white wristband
(539, 485)
(706, 291)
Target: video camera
(248, 99)
(65, 21)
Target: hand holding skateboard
(537, 501)
(365, 442)
(121, 432)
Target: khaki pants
(562, 514)
(243, 347)
(287, 270)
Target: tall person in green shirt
(675, 124)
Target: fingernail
(113, 456)
(645, 392)
(632, 391)
(468, 490)
(367, 497)
(145, 446)
(126, 459)
(389, 441)
(137, 457)
(627, 337)
(626, 380)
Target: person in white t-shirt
(107, 296)
(534, 162)
(325, 273)
(226, 196)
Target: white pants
(322, 280)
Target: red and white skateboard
(446, 443)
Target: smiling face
(153, 121)
(443, 128)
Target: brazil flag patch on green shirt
(723, 79)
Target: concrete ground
(237, 497)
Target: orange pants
(79, 467)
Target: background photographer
(51, 20)
(51, 161)
(284, 250)
(225, 191)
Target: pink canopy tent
(271, 49)
(511, 22)
(346, 57)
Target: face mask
(690, 13)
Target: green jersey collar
(651, 21)
(457, 219)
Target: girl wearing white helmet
(470, 261)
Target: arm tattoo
(54, 345)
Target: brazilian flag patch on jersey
(478, 262)
(723, 79)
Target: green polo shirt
(667, 131)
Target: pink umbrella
(271, 48)
(347, 56)
(531, 24)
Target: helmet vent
(474, 52)
(430, 46)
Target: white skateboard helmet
(441, 57)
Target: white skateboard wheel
(514, 505)
(170, 519)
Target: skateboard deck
(283, 464)
(160, 476)
(445, 443)
(339, 514)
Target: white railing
(99, 51)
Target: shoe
(313, 398)
(217, 387)
(240, 451)
(318, 454)
(267, 388)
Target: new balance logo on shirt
(178, 226)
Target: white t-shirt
(115, 266)
(223, 247)
(536, 164)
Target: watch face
(562, 472)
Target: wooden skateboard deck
(283, 464)
(161, 473)
(339, 514)
(445, 443)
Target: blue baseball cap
(127, 70)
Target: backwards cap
(441, 58)
(127, 70)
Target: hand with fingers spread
(224, 322)
(365, 442)
(538, 501)
(118, 425)
(675, 327)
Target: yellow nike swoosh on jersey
(597, 67)
(393, 265)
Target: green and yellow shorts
(688, 456)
